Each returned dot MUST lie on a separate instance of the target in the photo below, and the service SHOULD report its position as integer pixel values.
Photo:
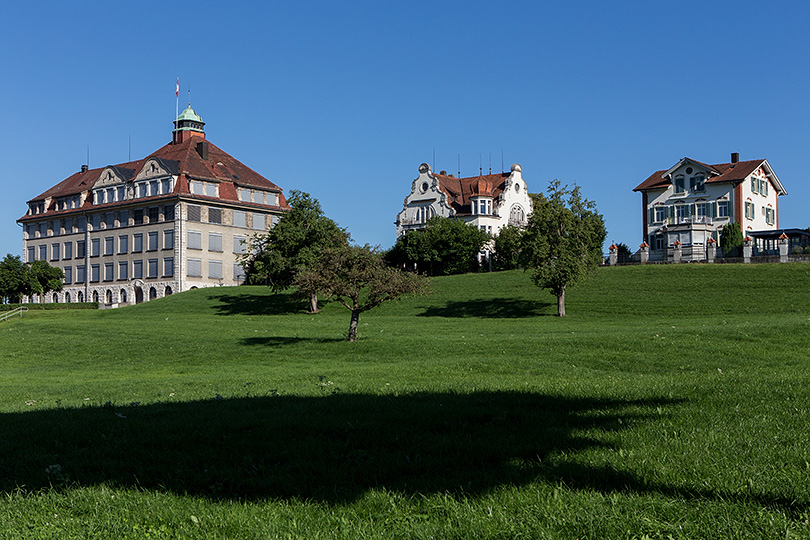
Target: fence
(18, 311)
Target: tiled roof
(725, 172)
(180, 159)
(460, 190)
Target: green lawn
(672, 402)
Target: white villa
(488, 202)
(688, 204)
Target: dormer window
(680, 186)
(697, 183)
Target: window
(123, 218)
(239, 244)
(109, 220)
(137, 243)
(137, 216)
(194, 268)
(109, 245)
(214, 242)
(244, 195)
(168, 239)
(123, 244)
(753, 184)
(215, 215)
(31, 254)
(193, 212)
(137, 269)
(700, 210)
(238, 272)
(121, 193)
(168, 266)
(96, 222)
(110, 194)
(168, 212)
(81, 249)
(722, 209)
(80, 274)
(750, 210)
(166, 186)
(55, 251)
(68, 254)
(211, 189)
(679, 185)
(99, 195)
(43, 229)
(68, 274)
(153, 241)
(123, 268)
(68, 225)
(194, 240)
(153, 214)
(680, 212)
(81, 224)
(215, 269)
(143, 189)
(196, 187)
(770, 216)
(239, 218)
(697, 183)
(258, 221)
(660, 214)
(152, 268)
(95, 247)
(95, 271)
(108, 271)
(154, 188)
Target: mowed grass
(672, 402)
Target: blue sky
(345, 100)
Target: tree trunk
(313, 303)
(353, 325)
(561, 303)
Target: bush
(51, 306)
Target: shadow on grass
(331, 448)
(281, 341)
(250, 304)
(494, 308)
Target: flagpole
(177, 99)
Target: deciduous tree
(563, 241)
(14, 279)
(445, 246)
(358, 278)
(292, 246)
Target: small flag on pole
(177, 88)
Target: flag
(177, 88)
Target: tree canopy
(293, 245)
(18, 279)
(508, 246)
(563, 240)
(445, 246)
(731, 240)
(358, 278)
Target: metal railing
(18, 311)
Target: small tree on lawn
(295, 244)
(14, 279)
(358, 278)
(563, 241)
(731, 239)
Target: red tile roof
(181, 159)
(460, 190)
(725, 172)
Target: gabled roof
(460, 190)
(182, 159)
(721, 172)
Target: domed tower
(188, 124)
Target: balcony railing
(688, 220)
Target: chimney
(202, 149)
(84, 168)
(735, 157)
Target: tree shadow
(332, 448)
(252, 304)
(493, 308)
(281, 341)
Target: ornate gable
(157, 168)
(111, 176)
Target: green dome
(189, 114)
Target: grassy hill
(672, 402)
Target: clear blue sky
(344, 100)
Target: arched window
(95, 296)
(122, 296)
(80, 296)
(152, 293)
(55, 298)
(168, 291)
(67, 297)
(517, 216)
(108, 297)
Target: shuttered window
(137, 269)
(194, 240)
(214, 242)
(68, 254)
(239, 218)
(109, 245)
(123, 273)
(168, 239)
(258, 221)
(153, 241)
(152, 268)
(193, 212)
(123, 244)
(215, 269)
(215, 215)
(168, 266)
(194, 268)
(239, 244)
(137, 243)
